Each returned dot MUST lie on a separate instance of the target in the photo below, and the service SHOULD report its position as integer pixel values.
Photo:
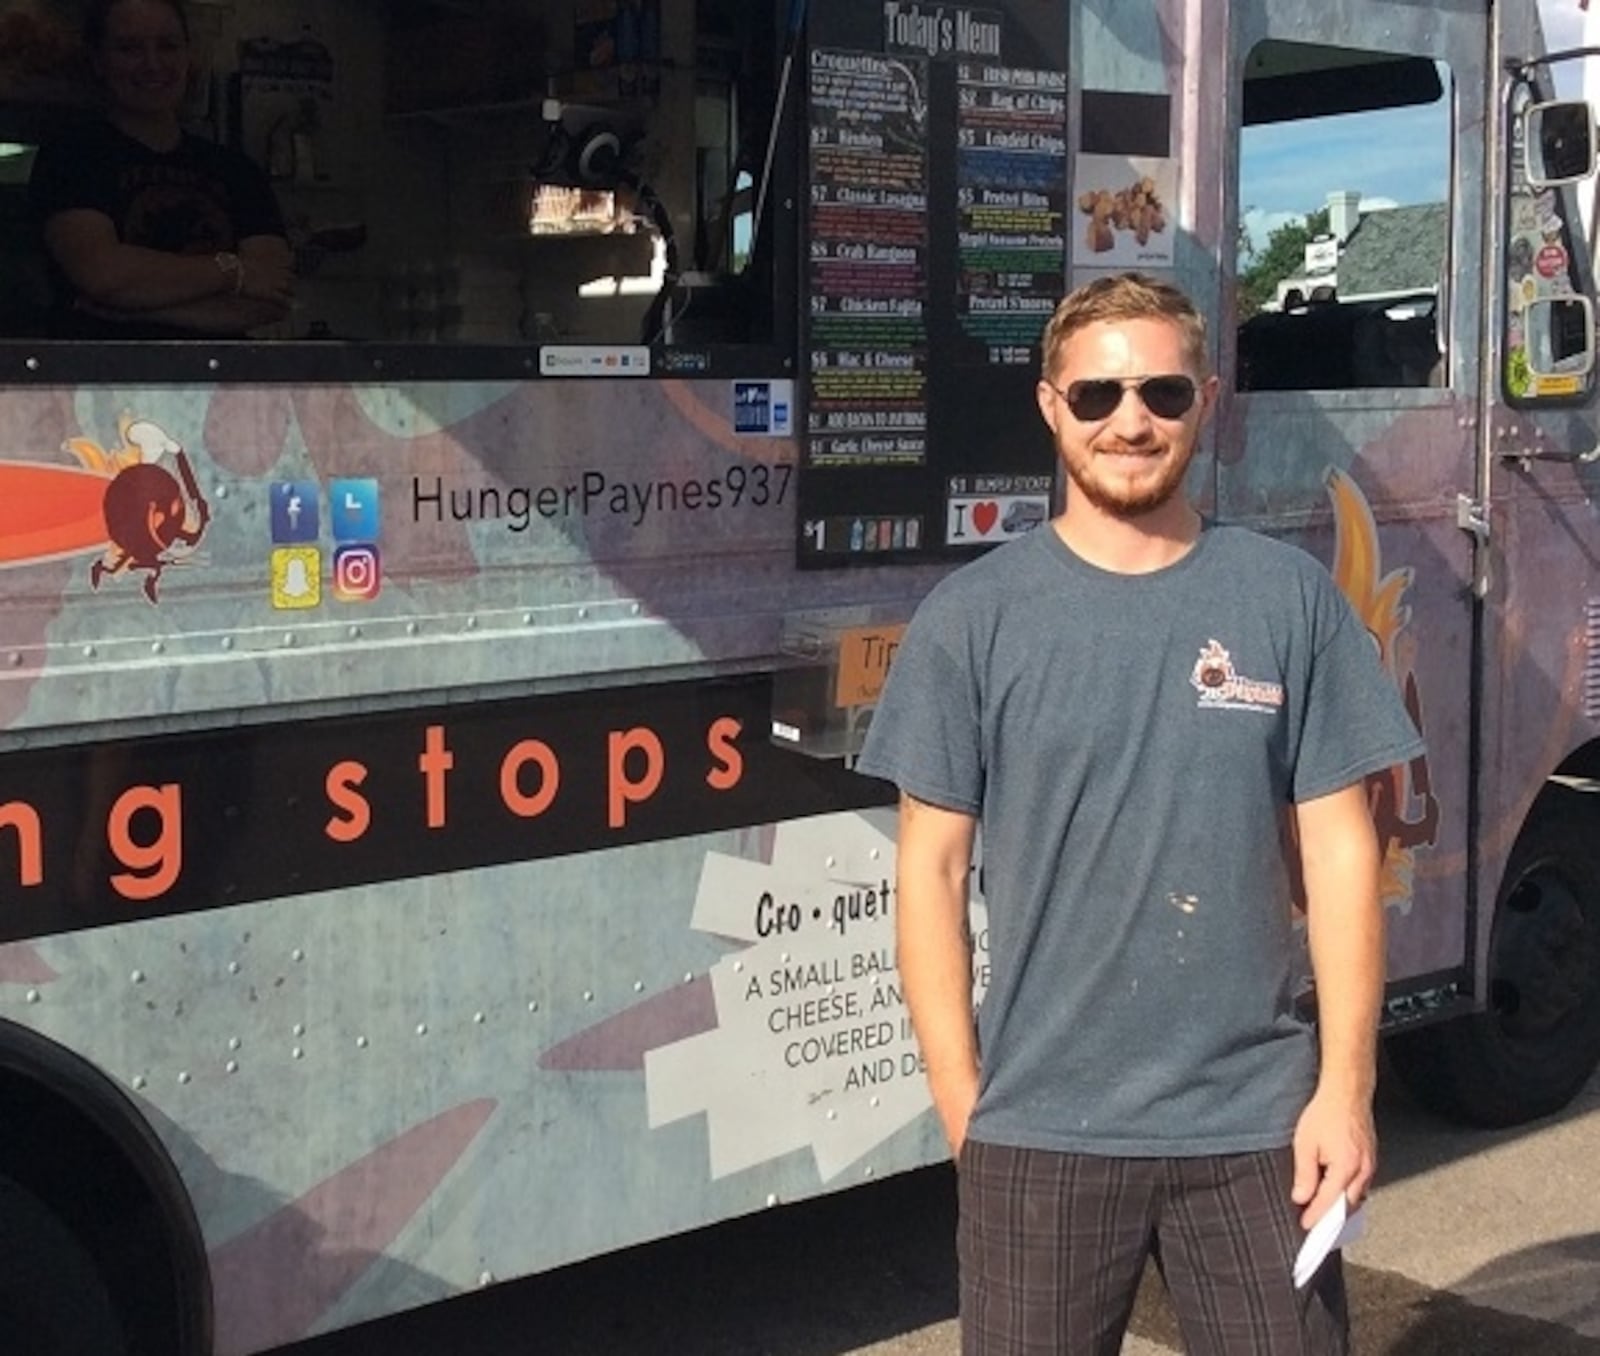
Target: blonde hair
(1125, 296)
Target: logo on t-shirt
(1222, 688)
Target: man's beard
(1112, 498)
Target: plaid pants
(1052, 1247)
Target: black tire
(53, 1300)
(1537, 1043)
(81, 1159)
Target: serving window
(462, 183)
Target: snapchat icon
(296, 577)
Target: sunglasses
(1166, 397)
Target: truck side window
(1344, 206)
(472, 174)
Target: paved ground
(1479, 1245)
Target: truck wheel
(53, 1301)
(1538, 1042)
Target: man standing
(1144, 712)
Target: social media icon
(296, 578)
(357, 574)
(354, 505)
(295, 516)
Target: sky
(1391, 157)
(1563, 27)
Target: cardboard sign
(864, 656)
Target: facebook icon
(294, 511)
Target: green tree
(1283, 256)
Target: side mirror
(1560, 141)
(1560, 339)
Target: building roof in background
(1398, 249)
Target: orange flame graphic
(50, 511)
(1404, 807)
(92, 457)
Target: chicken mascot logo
(138, 505)
(1404, 807)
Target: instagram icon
(357, 574)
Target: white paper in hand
(1335, 1229)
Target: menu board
(868, 261)
(936, 242)
(1011, 201)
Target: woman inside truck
(152, 232)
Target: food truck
(429, 853)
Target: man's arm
(935, 954)
(1336, 1145)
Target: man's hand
(1335, 1150)
(954, 1099)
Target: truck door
(1352, 423)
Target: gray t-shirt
(1132, 745)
